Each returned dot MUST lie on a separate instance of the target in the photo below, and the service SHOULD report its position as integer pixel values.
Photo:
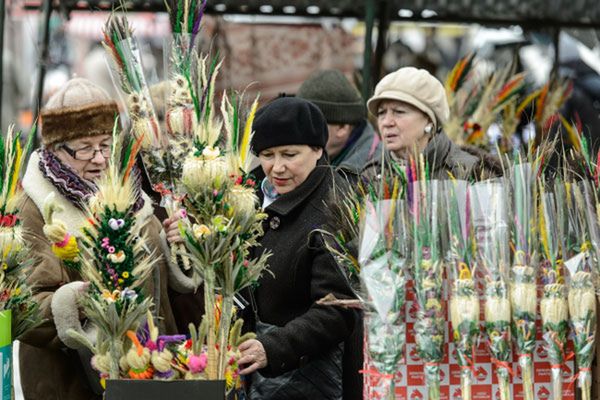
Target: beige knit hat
(416, 87)
(79, 109)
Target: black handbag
(320, 378)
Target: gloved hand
(66, 314)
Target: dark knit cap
(339, 101)
(288, 120)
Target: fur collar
(37, 187)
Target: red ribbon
(576, 376)
(562, 366)
(470, 365)
(375, 373)
(503, 364)
(160, 188)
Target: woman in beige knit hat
(76, 132)
(411, 108)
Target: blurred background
(272, 46)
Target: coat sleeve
(46, 276)
(320, 327)
(160, 249)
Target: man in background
(352, 140)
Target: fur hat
(286, 121)
(79, 109)
(335, 96)
(416, 87)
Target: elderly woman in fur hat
(411, 107)
(77, 124)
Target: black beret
(288, 121)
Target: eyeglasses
(87, 153)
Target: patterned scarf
(76, 189)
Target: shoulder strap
(253, 303)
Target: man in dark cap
(352, 140)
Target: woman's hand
(171, 227)
(253, 355)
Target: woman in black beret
(298, 350)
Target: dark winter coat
(445, 157)
(353, 158)
(304, 272)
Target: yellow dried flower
(201, 230)
(433, 304)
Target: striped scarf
(73, 187)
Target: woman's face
(287, 167)
(402, 127)
(87, 156)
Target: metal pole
(383, 27)
(47, 12)
(369, 22)
(556, 41)
(2, 16)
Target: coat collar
(365, 148)
(38, 188)
(436, 152)
(286, 203)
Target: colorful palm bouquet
(183, 99)
(111, 254)
(383, 254)
(126, 63)
(464, 299)
(476, 100)
(341, 236)
(170, 357)
(162, 154)
(16, 298)
(547, 103)
(425, 204)
(523, 293)
(491, 226)
(224, 219)
(554, 308)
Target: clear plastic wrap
(523, 293)
(428, 278)
(182, 101)
(127, 73)
(583, 275)
(554, 308)
(490, 220)
(464, 300)
(383, 252)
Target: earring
(428, 129)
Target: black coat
(304, 272)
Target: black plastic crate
(129, 389)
